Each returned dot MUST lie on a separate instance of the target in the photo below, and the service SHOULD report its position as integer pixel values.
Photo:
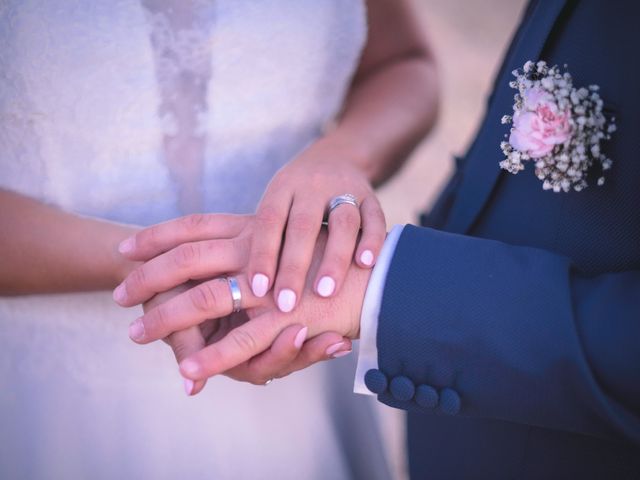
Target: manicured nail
(367, 258)
(127, 245)
(136, 330)
(326, 286)
(300, 338)
(188, 386)
(120, 293)
(334, 348)
(341, 354)
(286, 300)
(190, 367)
(260, 285)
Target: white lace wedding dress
(140, 111)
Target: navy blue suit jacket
(511, 329)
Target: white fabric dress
(141, 111)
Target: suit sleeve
(478, 328)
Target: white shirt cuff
(368, 353)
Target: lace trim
(180, 37)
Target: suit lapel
(482, 170)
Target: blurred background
(469, 38)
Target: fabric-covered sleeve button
(449, 401)
(402, 388)
(376, 381)
(426, 396)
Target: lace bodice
(139, 111)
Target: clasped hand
(187, 302)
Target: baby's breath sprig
(557, 126)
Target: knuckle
(156, 322)
(264, 258)
(291, 269)
(347, 219)
(186, 255)
(150, 236)
(180, 350)
(318, 180)
(339, 260)
(243, 340)
(302, 223)
(204, 298)
(373, 238)
(236, 248)
(137, 280)
(269, 217)
(379, 239)
(241, 243)
(193, 222)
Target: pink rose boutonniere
(557, 126)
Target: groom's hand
(288, 353)
(340, 314)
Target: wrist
(337, 147)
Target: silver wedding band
(345, 199)
(236, 294)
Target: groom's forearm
(491, 330)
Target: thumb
(184, 343)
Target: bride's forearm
(46, 250)
(393, 101)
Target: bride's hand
(163, 244)
(289, 219)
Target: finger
(270, 220)
(303, 227)
(208, 300)
(154, 240)
(184, 343)
(238, 346)
(188, 261)
(326, 346)
(344, 225)
(265, 366)
(374, 232)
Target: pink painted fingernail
(367, 258)
(188, 386)
(127, 245)
(326, 286)
(260, 285)
(190, 367)
(334, 348)
(136, 330)
(341, 354)
(286, 300)
(120, 293)
(300, 338)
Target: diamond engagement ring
(236, 294)
(346, 198)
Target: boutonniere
(557, 126)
